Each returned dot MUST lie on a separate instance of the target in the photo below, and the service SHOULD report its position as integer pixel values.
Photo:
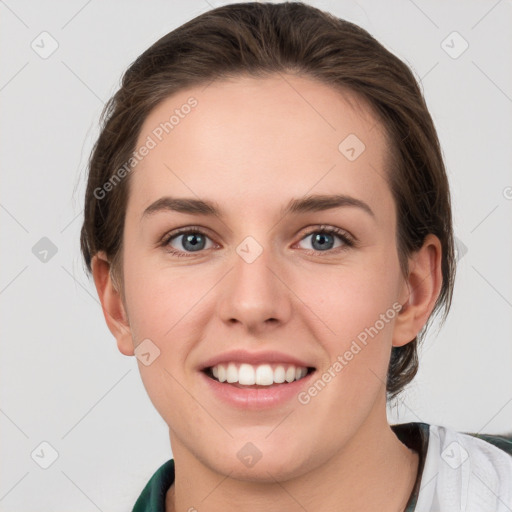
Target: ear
(419, 291)
(112, 304)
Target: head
(247, 107)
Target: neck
(374, 472)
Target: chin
(250, 466)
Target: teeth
(262, 375)
(279, 375)
(231, 373)
(246, 375)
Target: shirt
(457, 471)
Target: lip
(256, 398)
(254, 358)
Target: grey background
(63, 380)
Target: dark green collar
(152, 498)
(415, 436)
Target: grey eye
(191, 241)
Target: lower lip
(257, 398)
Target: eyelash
(347, 240)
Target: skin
(251, 145)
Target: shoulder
(503, 442)
(491, 450)
(466, 470)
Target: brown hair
(259, 39)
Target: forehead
(252, 139)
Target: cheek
(357, 306)
(164, 306)
(349, 299)
(159, 299)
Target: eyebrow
(312, 203)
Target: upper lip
(243, 356)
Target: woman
(268, 224)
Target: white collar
(464, 474)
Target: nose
(255, 294)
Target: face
(275, 278)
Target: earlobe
(112, 304)
(420, 291)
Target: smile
(265, 374)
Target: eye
(191, 240)
(324, 239)
(186, 241)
